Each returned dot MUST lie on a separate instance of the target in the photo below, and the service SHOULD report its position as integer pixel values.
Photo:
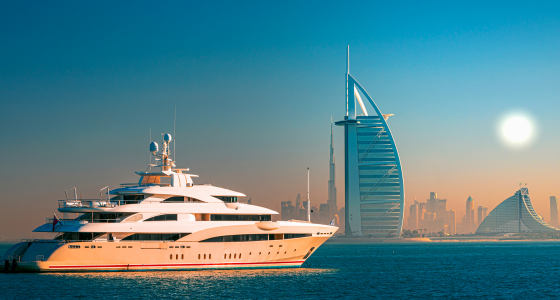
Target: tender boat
(166, 222)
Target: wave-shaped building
(374, 187)
(515, 214)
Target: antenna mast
(308, 200)
(175, 137)
(150, 154)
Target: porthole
(225, 255)
(182, 247)
(249, 253)
(209, 256)
(204, 256)
(278, 252)
(182, 256)
(129, 246)
(230, 256)
(239, 255)
(199, 256)
(235, 255)
(259, 253)
(285, 252)
(170, 256)
(118, 246)
(176, 256)
(268, 253)
(99, 247)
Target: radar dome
(167, 137)
(153, 147)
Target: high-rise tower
(469, 215)
(331, 201)
(374, 186)
(554, 212)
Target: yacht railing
(94, 203)
(125, 185)
(83, 221)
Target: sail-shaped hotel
(374, 186)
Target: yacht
(166, 222)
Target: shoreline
(347, 240)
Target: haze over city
(81, 86)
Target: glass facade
(515, 214)
(379, 178)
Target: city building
(469, 224)
(287, 211)
(554, 212)
(374, 186)
(432, 216)
(515, 214)
(413, 216)
(331, 200)
(482, 212)
(451, 222)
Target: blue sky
(255, 85)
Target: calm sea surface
(505, 270)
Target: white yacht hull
(142, 256)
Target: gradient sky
(255, 85)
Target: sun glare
(517, 130)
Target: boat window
(132, 199)
(255, 237)
(240, 217)
(155, 237)
(79, 236)
(227, 199)
(74, 246)
(238, 238)
(174, 199)
(295, 235)
(170, 217)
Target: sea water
(463, 270)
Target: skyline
(82, 84)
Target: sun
(517, 130)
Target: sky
(255, 84)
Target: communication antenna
(308, 200)
(150, 153)
(174, 141)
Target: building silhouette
(482, 212)
(469, 216)
(432, 216)
(331, 200)
(554, 211)
(374, 186)
(515, 214)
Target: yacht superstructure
(166, 222)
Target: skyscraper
(554, 212)
(413, 216)
(331, 201)
(469, 215)
(451, 222)
(482, 212)
(374, 186)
